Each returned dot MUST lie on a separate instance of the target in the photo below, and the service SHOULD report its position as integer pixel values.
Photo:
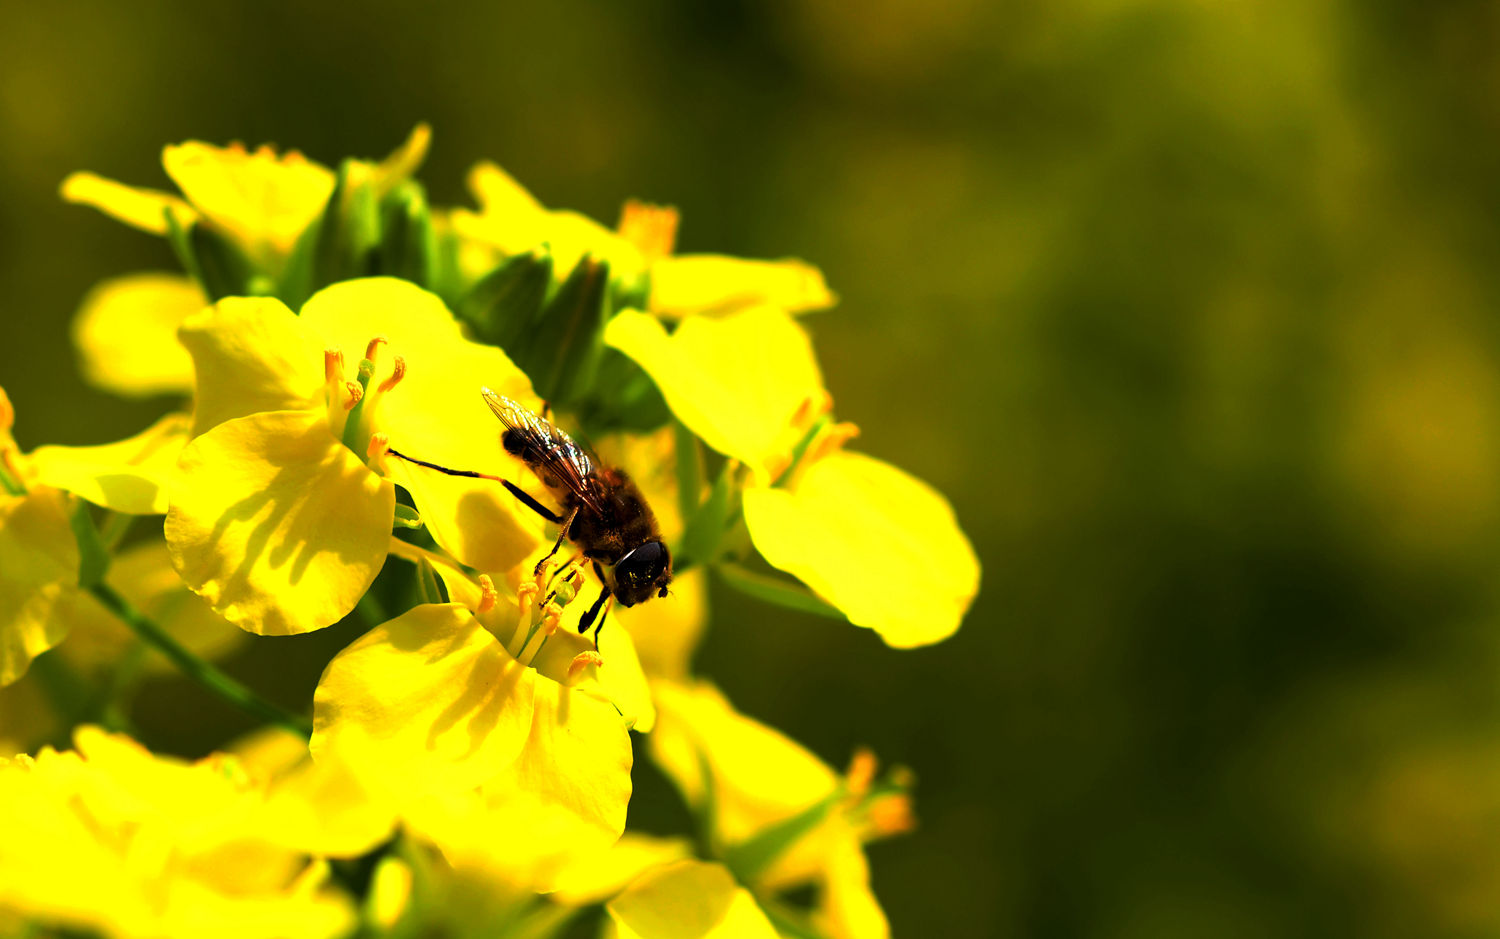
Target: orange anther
(582, 661)
(333, 364)
(525, 598)
(651, 228)
(891, 815)
(398, 371)
(373, 347)
(550, 620)
(356, 391)
(861, 773)
(488, 595)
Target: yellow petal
(38, 574)
(511, 221)
(251, 354)
(127, 476)
(165, 848)
(262, 200)
(498, 193)
(139, 208)
(879, 544)
(276, 524)
(848, 908)
(759, 775)
(126, 333)
(324, 809)
(736, 381)
(666, 630)
(688, 900)
(405, 160)
(578, 758)
(426, 702)
(690, 284)
(603, 876)
(143, 574)
(436, 414)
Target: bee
(603, 511)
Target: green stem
(205, 674)
(116, 524)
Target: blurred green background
(1189, 307)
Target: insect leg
(600, 625)
(592, 614)
(515, 490)
(562, 535)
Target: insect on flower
(603, 514)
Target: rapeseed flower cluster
(464, 766)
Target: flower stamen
(375, 453)
(398, 371)
(582, 661)
(372, 347)
(356, 394)
(651, 228)
(488, 595)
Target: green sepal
(789, 923)
(408, 245)
(348, 232)
(800, 450)
(563, 350)
(93, 556)
(750, 858)
(428, 583)
(181, 244)
(406, 517)
(221, 269)
(706, 525)
(503, 307)
(623, 397)
(688, 456)
(706, 812)
(777, 590)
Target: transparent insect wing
(550, 451)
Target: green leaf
(781, 592)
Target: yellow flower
(511, 221)
(39, 556)
(261, 201)
(38, 577)
(143, 575)
(688, 900)
(779, 816)
(275, 517)
(126, 333)
(128, 476)
(880, 545)
(265, 207)
(113, 839)
(475, 747)
(566, 657)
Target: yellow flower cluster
(465, 765)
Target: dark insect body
(603, 511)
